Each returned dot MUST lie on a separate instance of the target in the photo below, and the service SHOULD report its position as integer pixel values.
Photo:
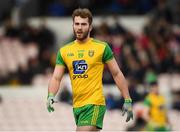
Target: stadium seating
(24, 109)
(14, 54)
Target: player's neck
(155, 93)
(83, 41)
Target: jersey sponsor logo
(79, 66)
(80, 76)
(91, 53)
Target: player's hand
(50, 102)
(127, 108)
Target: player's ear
(73, 24)
(91, 27)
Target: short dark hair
(84, 13)
(153, 83)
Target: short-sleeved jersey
(156, 104)
(85, 63)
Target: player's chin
(79, 37)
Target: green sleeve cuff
(51, 95)
(147, 102)
(128, 100)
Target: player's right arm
(147, 105)
(57, 75)
(120, 81)
(55, 80)
(54, 86)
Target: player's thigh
(87, 128)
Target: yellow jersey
(156, 104)
(85, 63)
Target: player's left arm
(118, 78)
(123, 87)
(146, 109)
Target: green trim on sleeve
(147, 102)
(128, 100)
(108, 54)
(59, 59)
(51, 95)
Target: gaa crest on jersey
(91, 53)
(80, 55)
(79, 66)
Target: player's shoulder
(66, 46)
(99, 42)
(162, 97)
(149, 97)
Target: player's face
(154, 89)
(81, 28)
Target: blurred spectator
(107, 77)
(176, 65)
(150, 76)
(45, 37)
(117, 28)
(133, 90)
(11, 30)
(176, 12)
(5, 9)
(138, 125)
(1, 100)
(111, 102)
(155, 113)
(26, 33)
(25, 75)
(28, 49)
(65, 96)
(163, 11)
(46, 40)
(176, 101)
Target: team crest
(80, 55)
(91, 53)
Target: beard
(82, 36)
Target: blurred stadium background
(143, 34)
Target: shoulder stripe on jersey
(98, 41)
(67, 44)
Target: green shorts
(150, 127)
(90, 115)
